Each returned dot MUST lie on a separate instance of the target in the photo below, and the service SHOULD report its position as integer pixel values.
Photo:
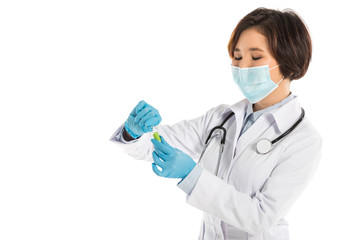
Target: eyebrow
(250, 49)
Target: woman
(247, 193)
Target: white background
(72, 71)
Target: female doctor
(255, 157)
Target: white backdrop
(71, 72)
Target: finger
(162, 155)
(157, 160)
(142, 104)
(156, 170)
(147, 116)
(165, 142)
(166, 145)
(142, 113)
(147, 129)
(166, 149)
(153, 121)
(148, 108)
(137, 108)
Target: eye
(254, 58)
(238, 58)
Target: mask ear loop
(280, 81)
(283, 76)
(274, 67)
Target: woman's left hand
(174, 162)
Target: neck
(273, 98)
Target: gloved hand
(142, 119)
(175, 164)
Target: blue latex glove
(142, 119)
(175, 163)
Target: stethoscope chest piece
(263, 146)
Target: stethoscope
(263, 146)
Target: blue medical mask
(254, 82)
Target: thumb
(163, 141)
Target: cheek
(265, 60)
(275, 75)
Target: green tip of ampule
(156, 136)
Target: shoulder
(307, 131)
(216, 111)
(305, 139)
(224, 109)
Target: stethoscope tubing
(220, 127)
(290, 129)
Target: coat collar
(238, 108)
(284, 117)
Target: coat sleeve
(187, 135)
(254, 214)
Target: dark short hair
(287, 35)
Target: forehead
(251, 39)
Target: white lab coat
(252, 192)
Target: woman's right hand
(142, 119)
